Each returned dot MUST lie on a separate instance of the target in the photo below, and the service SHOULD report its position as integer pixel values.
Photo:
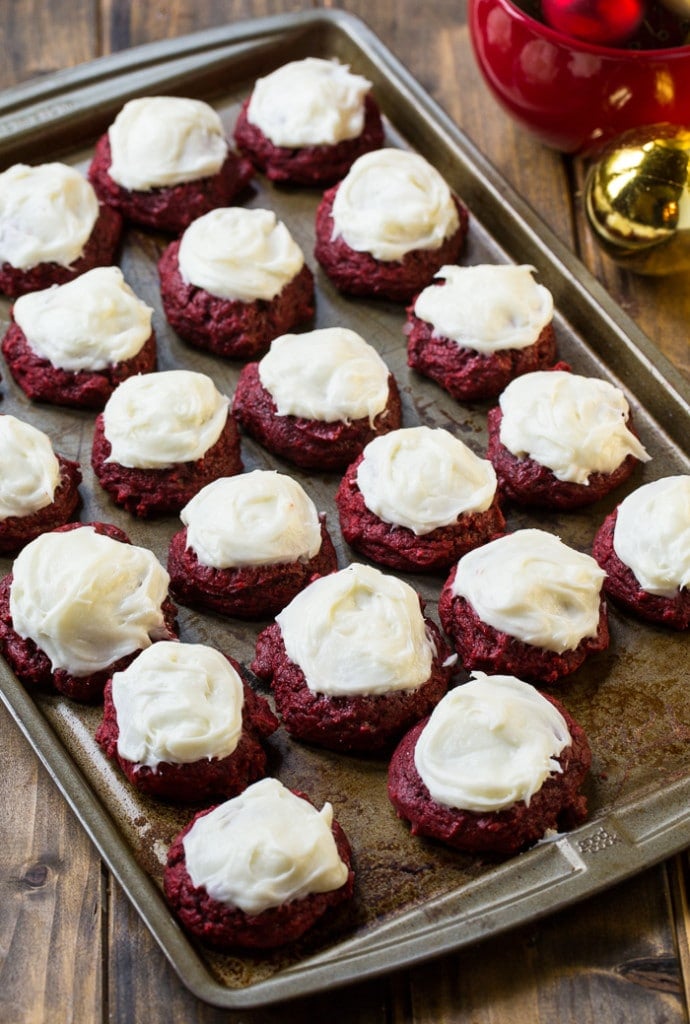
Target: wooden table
(71, 947)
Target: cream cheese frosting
(652, 535)
(257, 518)
(178, 703)
(310, 102)
(532, 586)
(238, 254)
(487, 308)
(356, 632)
(572, 425)
(489, 744)
(155, 420)
(29, 468)
(90, 323)
(87, 599)
(391, 202)
(47, 214)
(328, 374)
(161, 141)
(264, 848)
(423, 479)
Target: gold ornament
(637, 199)
(680, 7)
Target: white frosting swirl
(47, 214)
(87, 324)
(86, 599)
(264, 848)
(392, 201)
(240, 255)
(572, 425)
(178, 703)
(489, 744)
(257, 518)
(356, 632)
(532, 586)
(29, 468)
(311, 102)
(155, 420)
(159, 141)
(487, 308)
(652, 535)
(423, 479)
(328, 374)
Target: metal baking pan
(414, 899)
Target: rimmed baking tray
(414, 899)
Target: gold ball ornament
(637, 199)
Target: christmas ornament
(637, 199)
(597, 21)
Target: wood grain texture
(71, 946)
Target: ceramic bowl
(572, 95)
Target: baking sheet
(413, 898)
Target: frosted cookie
(72, 344)
(162, 437)
(260, 870)
(183, 725)
(308, 121)
(560, 440)
(52, 227)
(418, 499)
(39, 489)
(78, 605)
(248, 545)
(644, 548)
(352, 661)
(388, 226)
(234, 281)
(525, 604)
(317, 398)
(164, 161)
(495, 768)
(476, 328)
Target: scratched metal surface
(413, 899)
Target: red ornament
(597, 21)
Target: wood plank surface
(72, 949)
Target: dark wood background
(71, 947)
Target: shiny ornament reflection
(637, 199)
(597, 21)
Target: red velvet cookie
(223, 924)
(31, 663)
(481, 645)
(314, 165)
(387, 228)
(371, 663)
(428, 473)
(16, 531)
(231, 328)
(41, 381)
(193, 781)
(243, 592)
(557, 804)
(311, 444)
(655, 517)
(144, 489)
(165, 161)
(355, 272)
(99, 251)
(587, 434)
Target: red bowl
(573, 95)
